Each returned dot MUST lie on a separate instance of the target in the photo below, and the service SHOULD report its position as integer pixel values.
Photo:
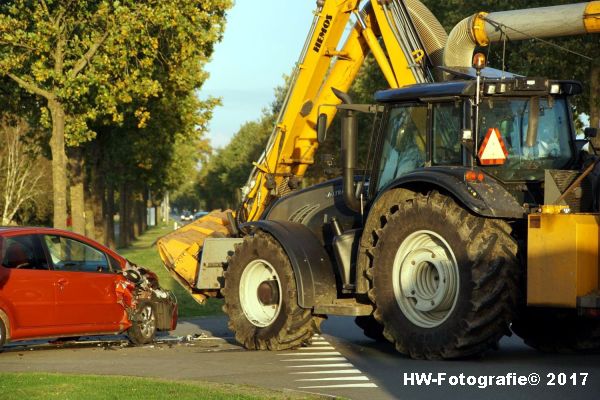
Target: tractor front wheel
(261, 298)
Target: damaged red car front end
(142, 298)
(56, 283)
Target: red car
(55, 283)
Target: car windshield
(530, 151)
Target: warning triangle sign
(493, 150)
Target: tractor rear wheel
(443, 280)
(558, 331)
(261, 298)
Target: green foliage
(125, 69)
(228, 169)
(107, 58)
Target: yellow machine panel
(562, 258)
(180, 249)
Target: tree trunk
(109, 238)
(90, 218)
(123, 216)
(139, 214)
(77, 191)
(59, 164)
(145, 210)
(132, 215)
(135, 216)
(97, 199)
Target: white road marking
(316, 359)
(336, 378)
(321, 365)
(349, 385)
(346, 372)
(335, 371)
(318, 353)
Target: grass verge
(32, 386)
(144, 253)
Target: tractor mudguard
(315, 279)
(487, 198)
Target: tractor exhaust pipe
(482, 28)
(349, 150)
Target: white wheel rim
(147, 321)
(255, 273)
(426, 279)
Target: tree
(227, 170)
(19, 176)
(91, 60)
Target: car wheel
(143, 325)
(2, 333)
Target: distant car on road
(187, 216)
(56, 283)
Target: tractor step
(344, 307)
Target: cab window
(404, 143)
(447, 133)
(71, 255)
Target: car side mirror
(321, 128)
(590, 132)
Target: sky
(262, 42)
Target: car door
(85, 291)
(27, 284)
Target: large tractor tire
(558, 331)
(261, 299)
(444, 281)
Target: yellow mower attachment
(180, 250)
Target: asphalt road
(341, 362)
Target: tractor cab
(502, 135)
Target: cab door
(26, 284)
(85, 290)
